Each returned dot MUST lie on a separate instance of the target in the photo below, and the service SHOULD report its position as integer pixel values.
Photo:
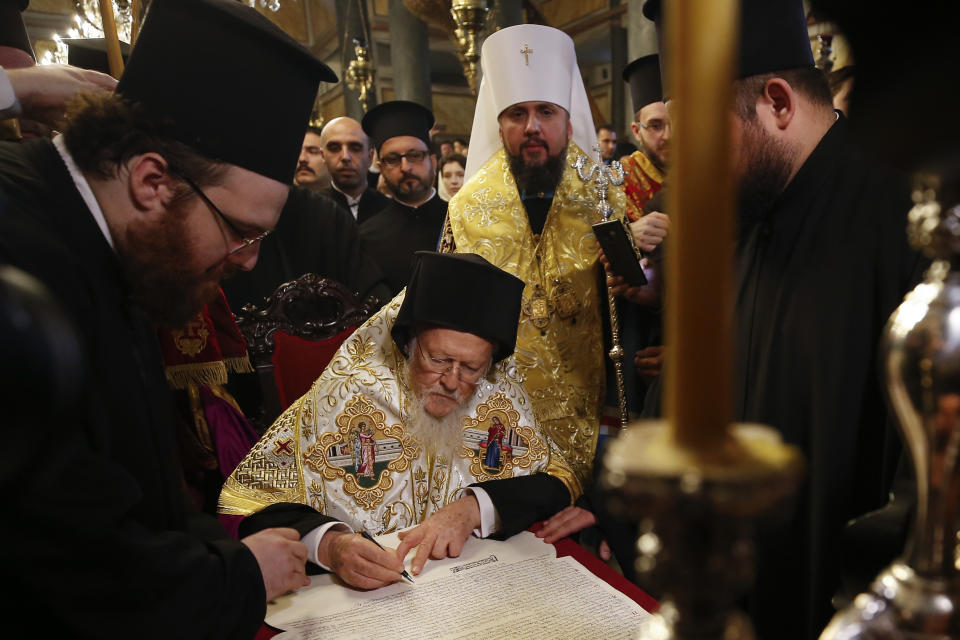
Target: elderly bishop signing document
(419, 419)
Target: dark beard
(653, 158)
(766, 173)
(535, 179)
(155, 261)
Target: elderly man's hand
(359, 562)
(43, 91)
(282, 559)
(650, 230)
(443, 534)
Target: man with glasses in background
(395, 433)
(412, 221)
(129, 219)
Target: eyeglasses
(443, 366)
(414, 156)
(245, 241)
(656, 126)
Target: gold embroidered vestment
(559, 341)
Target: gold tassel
(209, 373)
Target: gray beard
(439, 436)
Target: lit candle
(701, 37)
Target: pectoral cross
(526, 51)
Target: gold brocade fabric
(559, 342)
(641, 180)
(344, 448)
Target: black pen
(370, 538)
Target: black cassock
(99, 538)
(818, 277)
(371, 202)
(394, 234)
(313, 235)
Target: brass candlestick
(360, 73)
(697, 513)
(918, 596)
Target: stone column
(351, 26)
(409, 56)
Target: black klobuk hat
(230, 83)
(643, 76)
(91, 53)
(903, 103)
(773, 37)
(397, 118)
(13, 33)
(464, 292)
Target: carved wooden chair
(293, 337)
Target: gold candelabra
(360, 72)
(471, 19)
(464, 21)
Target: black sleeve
(284, 514)
(523, 500)
(287, 514)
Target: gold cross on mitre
(526, 51)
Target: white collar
(350, 199)
(84, 188)
(433, 192)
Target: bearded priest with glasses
(400, 132)
(398, 431)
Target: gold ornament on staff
(360, 73)
(602, 177)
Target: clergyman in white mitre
(419, 419)
(525, 209)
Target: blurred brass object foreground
(697, 515)
(918, 596)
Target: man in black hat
(645, 169)
(822, 261)
(413, 220)
(130, 218)
(427, 386)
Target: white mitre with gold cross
(524, 63)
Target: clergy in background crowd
(419, 419)
(524, 209)
(311, 171)
(413, 219)
(130, 218)
(314, 235)
(822, 260)
(347, 154)
(645, 168)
